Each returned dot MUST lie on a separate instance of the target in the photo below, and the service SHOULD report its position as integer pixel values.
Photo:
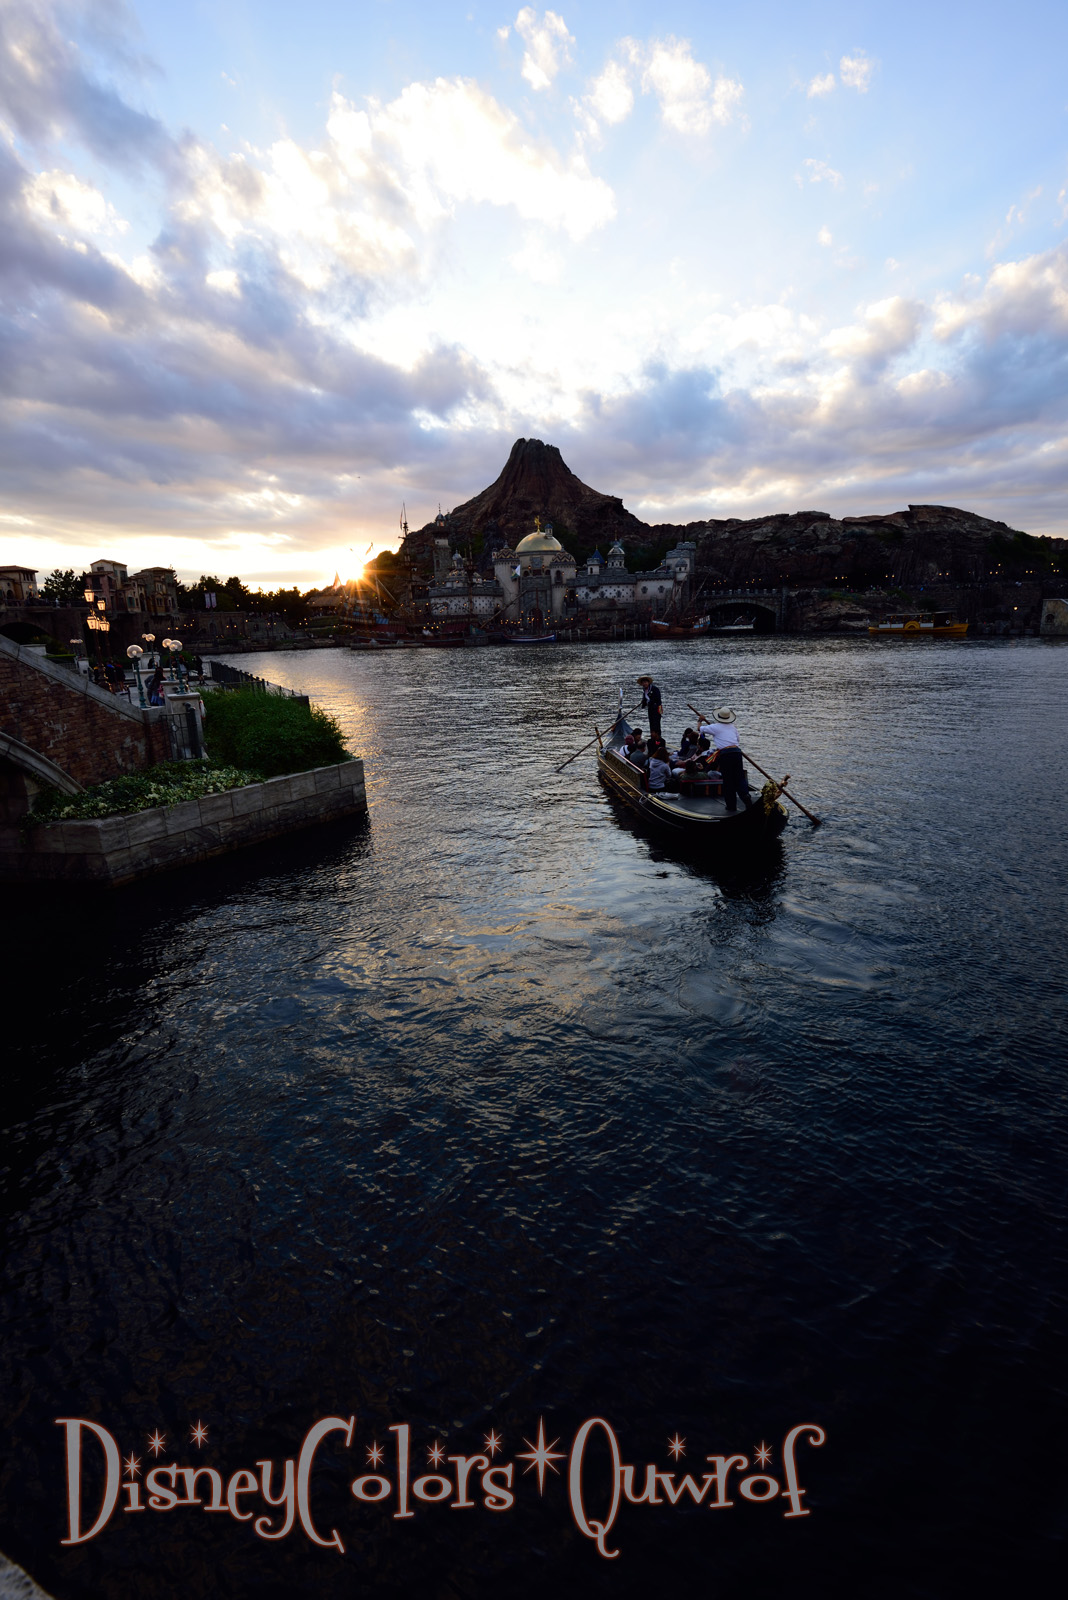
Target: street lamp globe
(134, 651)
(176, 644)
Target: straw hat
(645, 678)
(724, 714)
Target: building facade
(18, 586)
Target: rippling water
(488, 1109)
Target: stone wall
(1055, 619)
(85, 731)
(116, 850)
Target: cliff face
(536, 481)
(919, 545)
(901, 549)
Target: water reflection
(492, 1107)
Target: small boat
(739, 625)
(942, 625)
(532, 638)
(680, 630)
(696, 814)
(442, 641)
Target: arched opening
(746, 615)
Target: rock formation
(535, 482)
(922, 545)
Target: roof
(539, 540)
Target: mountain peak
(534, 482)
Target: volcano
(536, 482)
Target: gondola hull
(704, 824)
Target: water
(489, 1109)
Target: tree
(193, 596)
(65, 587)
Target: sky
(270, 272)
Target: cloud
(820, 172)
(438, 145)
(856, 71)
(226, 382)
(548, 46)
(689, 100)
(610, 96)
(821, 86)
(49, 92)
(538, 263)
(66, 200)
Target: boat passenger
(687, 744)
(634, 747)
(658, 772)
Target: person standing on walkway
(652, 702)
(724, 736)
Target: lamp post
(134, 652)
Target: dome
(538, 542)
(617, 549)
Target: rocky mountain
(923, 544)
(536, 481)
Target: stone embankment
(117, 850)
(59, 730)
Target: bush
(269, 733)
(164, 785)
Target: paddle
(585, 747)
(815, 821)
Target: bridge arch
(35, 765)
(763, 613)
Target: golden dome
(542, 540)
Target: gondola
(696, 814)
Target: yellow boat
(942, 625)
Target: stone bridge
(767, 607)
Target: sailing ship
(659, 629)
(942, 625)
(696, 813)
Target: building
(109, 581)
(156, 590)
(536, 578)
(460, 593)
(606, 585)
(18, 586)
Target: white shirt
(722, 734)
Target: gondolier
(652, 702)
(728, 757)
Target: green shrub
(164, 785)
(269, 733)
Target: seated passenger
(687, 744)
(634, 748)
(658, 773)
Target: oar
(597, 740)
(815, 821)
